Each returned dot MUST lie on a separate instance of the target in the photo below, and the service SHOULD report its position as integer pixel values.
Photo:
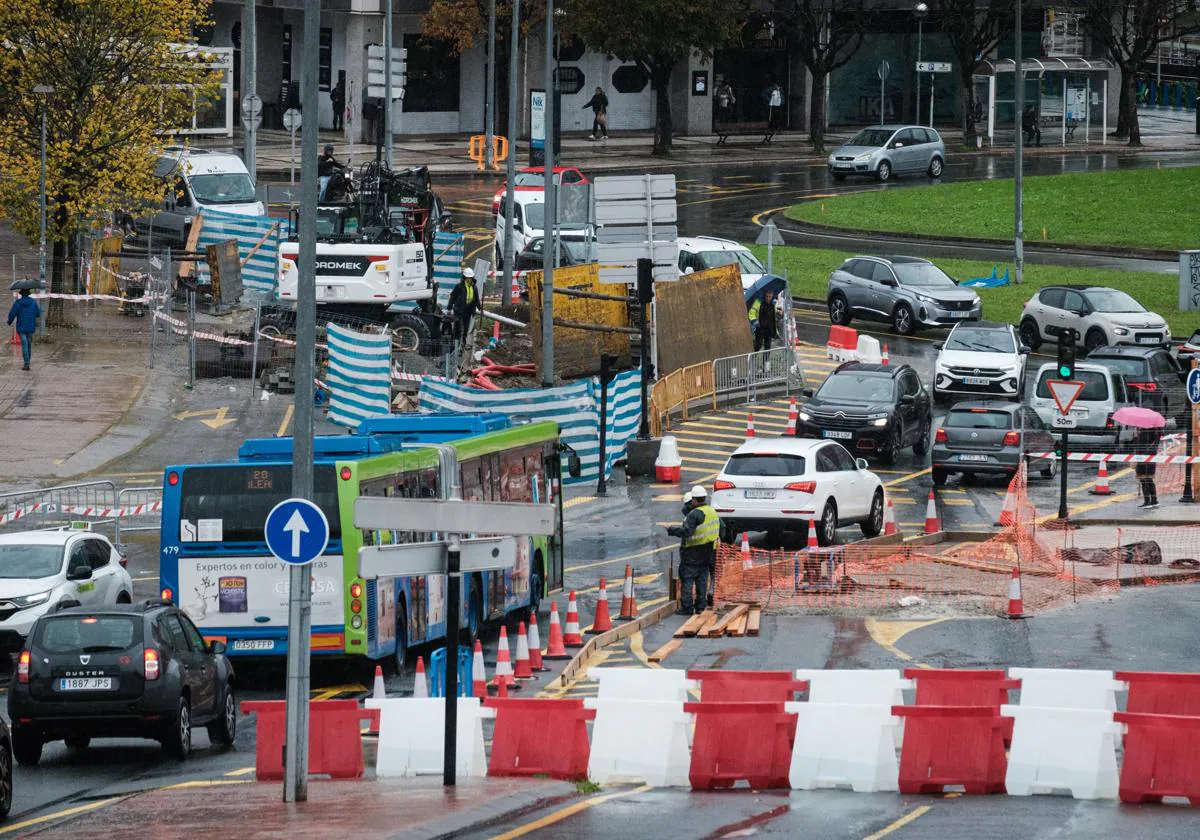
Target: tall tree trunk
(816, 112)
(660, 80)
(1126, 103)
(967, 103)
(1129, 100)
(58, 276)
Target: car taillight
(1144, 386)
(167, 595)
(1012, 439)
(939, 436)
(1109, 424)
(802, 486)
(23, 667)
(150, 663)
(723, 485)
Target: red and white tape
(80, 510)
(1114, 458)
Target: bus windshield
(231, 503)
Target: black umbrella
(31, 283)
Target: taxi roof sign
(81, 525)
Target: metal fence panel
(750, 376)
(139, 509)
(56, 507)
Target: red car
(534, 178)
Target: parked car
(529, 213)
(781, 484)
(1155, 380)
(907, 292)
(1104, 391)
(575, 248)
(533, 178)
(126, 671)
(871, 408)
(983, 358)
(880, 151)
(1098, 315)
(1189, 350)
(698, 253)
(39, 569)
(989, 437)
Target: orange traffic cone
(628, 602)
(478, 673)
(747, 560)
(932, 524)
(535, 644)
(504, 669)
(420, 685)
(813, 542)
(555, 649)
(750, 425)
(571, 635)
(378, 692)
(883, 357)
(1008, 513)
(522, 669)
(1102, 488)
(791, 426)
(889, 519)
(602, 623)
(1016, 606)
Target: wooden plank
(721, 626)
(689, 627)
(753, 622)
(666, 650)
(710, 618)
(738, 628)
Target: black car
(6, 769)
(123, 671)
(871, 409)
(1155, 379)
(573, 250)
(989, 437)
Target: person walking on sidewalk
(25, 312)
(699, 533)
(337, 98)
(725, 101)
(1147, 444)
(599, 105)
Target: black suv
(871, 409)
(140, 671)
(1155, 379)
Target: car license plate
(973, 458)
(253, 644)
(760, 494)
(1079, 412)
(960, 314)
(85, 684)
(976, 380)
(830, 433)
(1149, 339)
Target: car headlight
(924, 298)
(804, 415)
(866, 156)
(880, 421)
(1120, 331)
(32, 600)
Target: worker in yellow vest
(463, 303)
(699, 533)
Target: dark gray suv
(907, 292)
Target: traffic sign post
(292, 121)
(1064, 392)
(882, 72)
(297, 531)
(769, 236)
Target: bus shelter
(1069, 93)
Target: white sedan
(781, 484)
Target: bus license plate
(253, 644)
(839, 435)
(86, 684)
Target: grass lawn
(808, 269)
(1145, 208)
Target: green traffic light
(1063, 370)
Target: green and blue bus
(215, 564)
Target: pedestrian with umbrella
(24, 316)
(1149, 424)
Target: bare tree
(973, 29)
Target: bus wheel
(400, 657)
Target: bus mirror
(573, 466)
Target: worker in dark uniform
(699, 533)
(463, 303)
(763, 321)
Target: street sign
(1193, 386)
(291, 119)
(769, 235)
(252, 112)
(377, 72)
(934, 66)
(297, 531)
(453, 516)
(636, 215)
(883, 69)
(482, 554)
(1063, 421)
(1065, 392)
(537, 119)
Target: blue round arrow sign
(1193, 386)
(297, 531)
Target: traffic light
(645, 281)
(1066, 354)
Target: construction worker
(699, 533)
(463, 303)
(763, 321)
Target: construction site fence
(729, 380)
(98, 505)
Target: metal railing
(99, 503)
(139, 509)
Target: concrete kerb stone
(510, 807)
(580, 661)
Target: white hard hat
(698, 492)
(469, 273)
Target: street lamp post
(919, 12)
(43, 91)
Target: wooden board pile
(738, 620)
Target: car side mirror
(806, 392)
(1023, 349)
(80, 572)
(897, 145)
(908, 399)
(888, 281)
(861, 463)
(939, 346)
(216, 648)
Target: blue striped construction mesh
(259, 271)
(359, 375)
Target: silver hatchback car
(884, 150)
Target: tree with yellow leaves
(123, 76)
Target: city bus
(215, 564)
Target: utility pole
(919, 12)
(250, 82)
(510, 250)
(387, 82)
(295, 778)
(43, 91)
(1019, 157)
(550, 220)
(489, 102)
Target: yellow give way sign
(219, 416)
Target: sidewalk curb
(595, 643)
(483, 816)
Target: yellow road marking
(689, 436)
(905, 478)
(707, 462)
(915, 813)
(637, 648)
(578, 500)
(569, 811)
(624, 559)
(245, 771)
(668, 497)
(58, 815)
(287, 419)
(1107, 500)
(887, 633)
(203, 783)
(220, 416)
(637, 579)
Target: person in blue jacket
(25, 312)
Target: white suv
(781, 484)
(40, 568)
(980, 358)
(697, 253)
(1098, 315)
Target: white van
(699, 253)
(529, 218)
(1103, 393)
(195, 180)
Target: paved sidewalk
(392, 809)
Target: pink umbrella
(1139, 418)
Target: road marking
(58, 815)
(1108, 500)
(699, 451)
(691, 435)
(287, 419)
(624, 559)
(887, 633)
(220, 416)
(203, 783)
(334, 690)
(578, 500)
(906, 478)
(706, 462)
(133, 474)
(144, 579)
(245, 771)
(569, 811)
(915, 813)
